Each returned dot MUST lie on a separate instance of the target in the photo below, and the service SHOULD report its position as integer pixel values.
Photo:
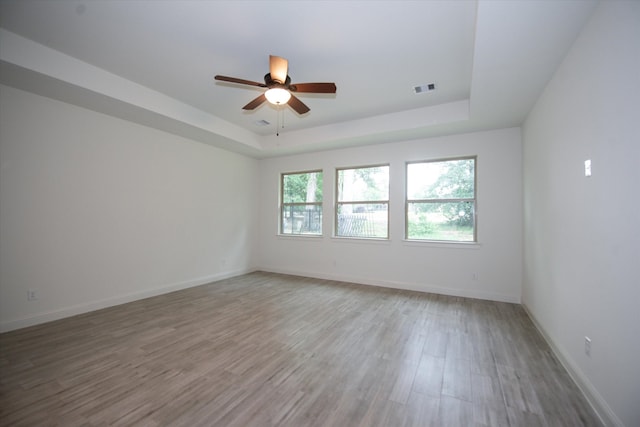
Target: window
(441, 200)
(362, 208)
(301, 207)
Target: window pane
(363, 220)
(301, 209)
(451, 179)
(301, 219)
(302, 187)
(363, 184)
(441, 221)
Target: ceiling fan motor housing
(276, 83)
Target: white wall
(442, 268)
(96, 211)
(582, 235)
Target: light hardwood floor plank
(266, 349)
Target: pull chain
(278, 111)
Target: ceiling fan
(279, 87)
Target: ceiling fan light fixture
(277, 96)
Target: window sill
(442, 244)
(314, 237)
(360, 240)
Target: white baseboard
(419, 287)
(11, 325)
(599, 405)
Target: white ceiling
(153, 62)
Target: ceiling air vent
(424, 88)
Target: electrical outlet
(587, 167)
(31, 295)
(587, 346)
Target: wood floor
(272, 350)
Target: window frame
(284, 204)
(338, 203)
(473, 200)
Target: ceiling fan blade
(314, 87)
(278, 68)
(298, 105)
(255, 103)
(241, 81)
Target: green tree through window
(441, 200)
